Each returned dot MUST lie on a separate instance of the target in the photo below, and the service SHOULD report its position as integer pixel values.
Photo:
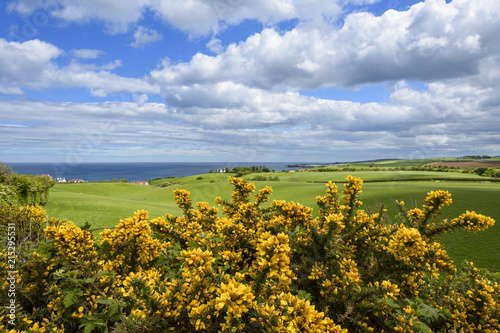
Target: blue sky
(237, 80)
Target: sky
(240, 80)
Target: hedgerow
(248, 266)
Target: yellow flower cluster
(406, 244)
(290, 215)
(392, 289)
(480, 301)
(346, 281)
(30, 327)
(437, 199)
(408, 321)
(288, 313)
(273, 260)
(29, 222)
(351, 190)
(131, 244)
(329, 203)
(71, 241)
(471, 221)
(234, 299)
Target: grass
(103, 204)
(482, 248)
(371, 176)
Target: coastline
(135, 171)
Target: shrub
(27, 223)
(7, 195)
(257, 268)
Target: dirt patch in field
(468, 164)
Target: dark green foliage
(241, 171)
(23, 189)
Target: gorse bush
(250, 267)
(27, 224)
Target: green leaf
(88, 328)
(302, 294)
(172, 273)
(105, 249)
(421, 327)
(46, 250)
(71, 297)
(428, 312)
(193, 244)
(105, 301)
(391, 303)
(114, 309)
(101, 273)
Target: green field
(375, 176)
(103, 204)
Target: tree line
(241, 171)
(23, 189)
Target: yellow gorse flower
(407, 243)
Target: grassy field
(373, 176)
(103, 204)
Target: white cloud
(117, 15)
(203, 17)
(420, 44)
(32, 65)
(226, 118)
(196, 17)
(144, 36)
(25, 64)
(244, 98)
(215, 45)
(87, 53)
(426, 45)
(363, 2)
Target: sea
(136, 171)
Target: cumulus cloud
(144, 36)
(196, 17)
(202, 17)
(32, 65)
(431, 41)
(25, 64)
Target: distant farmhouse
(73, 180)
(141, 182)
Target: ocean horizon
(134, 171)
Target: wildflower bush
(252, 266)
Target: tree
(481, 171)
(5, 173)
